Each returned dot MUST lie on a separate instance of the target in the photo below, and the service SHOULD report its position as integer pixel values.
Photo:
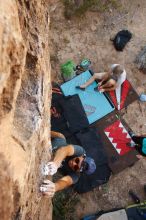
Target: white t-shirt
(121, 79)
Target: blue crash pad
(96, 104)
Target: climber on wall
(71, 160)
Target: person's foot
(78, 87)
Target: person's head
(82, 164)
(117, 71)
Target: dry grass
(71, 9)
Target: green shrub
(64, 204)
(100, 5)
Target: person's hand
(52, 168)
(48, 188)
(49, 168)
(100, 83)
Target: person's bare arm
(63, 183)
(89, 82)
(102, 77)
(62, 153)
(52, 166)
(96, 76)
(55, 134)
(107, 89)
(108, 86)
(48, 188)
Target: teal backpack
(85, 64)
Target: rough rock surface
(6, 199)
(25, 95)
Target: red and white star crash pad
(119, 137)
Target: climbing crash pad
(114, 132)
(96, 104)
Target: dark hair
(117, 70)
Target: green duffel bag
(68, 70)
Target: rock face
(25, 96)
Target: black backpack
(121, 39)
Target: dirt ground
(89, 37)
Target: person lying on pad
(71, 160)
(139, 144)
(109, 80)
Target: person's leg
(108, 86)
(89, 82)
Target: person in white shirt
(108, 81)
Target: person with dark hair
(71, 160)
